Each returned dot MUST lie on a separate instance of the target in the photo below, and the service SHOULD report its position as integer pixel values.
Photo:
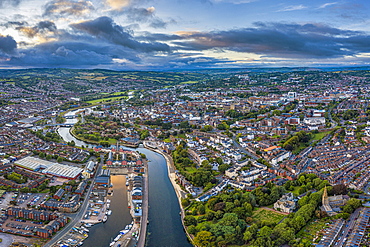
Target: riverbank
(180, 193)
(166, 224)
(71, 131)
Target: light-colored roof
(51, 168)
(33, 163)
(63, 170)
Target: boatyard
(99, 209)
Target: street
(351, 222)
(76, 218)
(243, 150)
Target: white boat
(108, 205)
(112, 243)
(105, 218)
(123, 232)
(108, 201)
(127, 183)
(85, 229)
(117, 238)
(109, 212)
(88, 225)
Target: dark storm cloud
(159, 37)
(105, 29)
(14, 3)
(41, 28)
(282, 40)
(14, 24)
(72, 54)
(7, 44)
(68, 7)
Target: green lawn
(181, 136)
(295, 191)
(300, 148)
(96, 101)
(320, 135)
(118, 93)
(189, 82)
(112, 141)
(191, 169)
(267, 215)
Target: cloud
(234, 1)
(14, 24)
(105, 29)
(147, 36)
(68, 7)
(42, 28)
(72, 54)
(8, 45)
(326, 5)
(118, 4)
(13, 3)
(281, 40)
(292, 8)
(143, 15)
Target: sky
(183, 34)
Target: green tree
(229, 219)
(222, 168)
(42, 155)
(247, 236)
(264, 232)
(190, 220)
(201, 209)
(203, 239)
(207, 128)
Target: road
(243, 150)
(76, 218)
(350, 223)
(333, 123)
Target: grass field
(320, 135)
(118, 93)
(191, 169)
(295, 191)
(189, 82)
(96, 101)
(267, 215)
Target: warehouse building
(33, 164)
(49, 168)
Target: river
(164, 229)
(103, 233)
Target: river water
(164, 229)
(103, 233)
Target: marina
(161, 221)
